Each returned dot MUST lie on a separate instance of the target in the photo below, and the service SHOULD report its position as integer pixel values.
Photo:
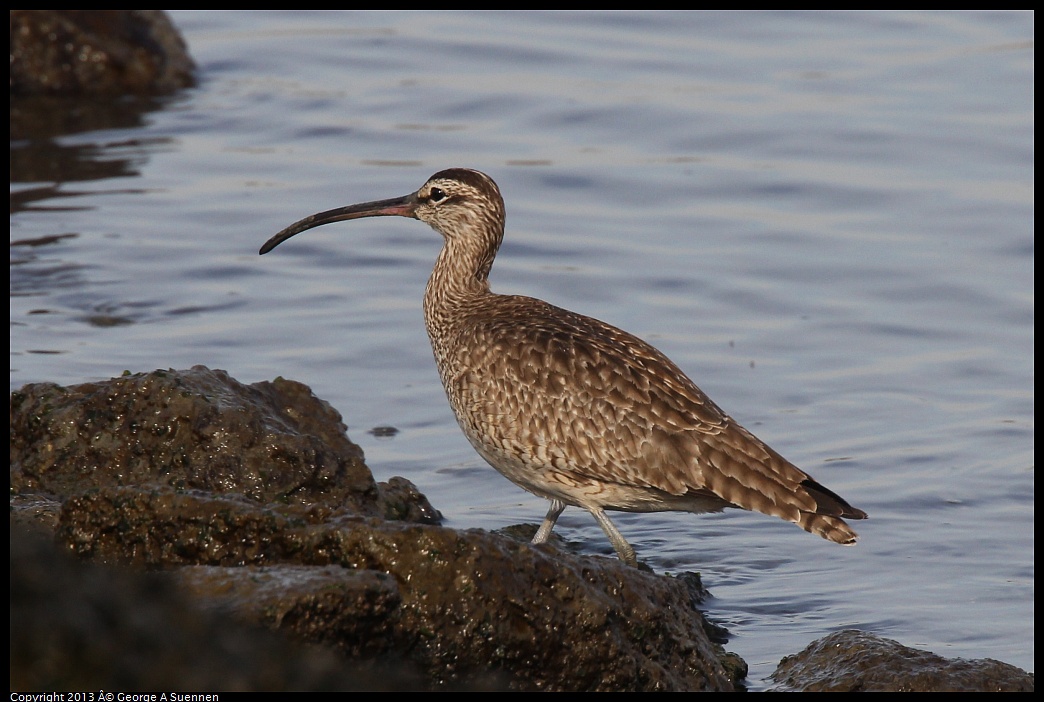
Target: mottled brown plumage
(573, 409)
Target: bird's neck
(462, 269)
(458, 284)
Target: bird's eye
(437, 195)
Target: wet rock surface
(856, 661)
(250, 503)
(96, 52)
(194, 430)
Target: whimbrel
(573, 409)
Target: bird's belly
(556, 479)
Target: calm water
(826, 219)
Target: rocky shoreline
(179, 530)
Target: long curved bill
(404, 206)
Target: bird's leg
(623, 548)
(549, 521)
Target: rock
(76, 626)
(253, 500)
(197, 429)
(856, 661)
(96, 52)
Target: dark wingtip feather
(830, 503)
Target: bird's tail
(826, 520)
(830, 528)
